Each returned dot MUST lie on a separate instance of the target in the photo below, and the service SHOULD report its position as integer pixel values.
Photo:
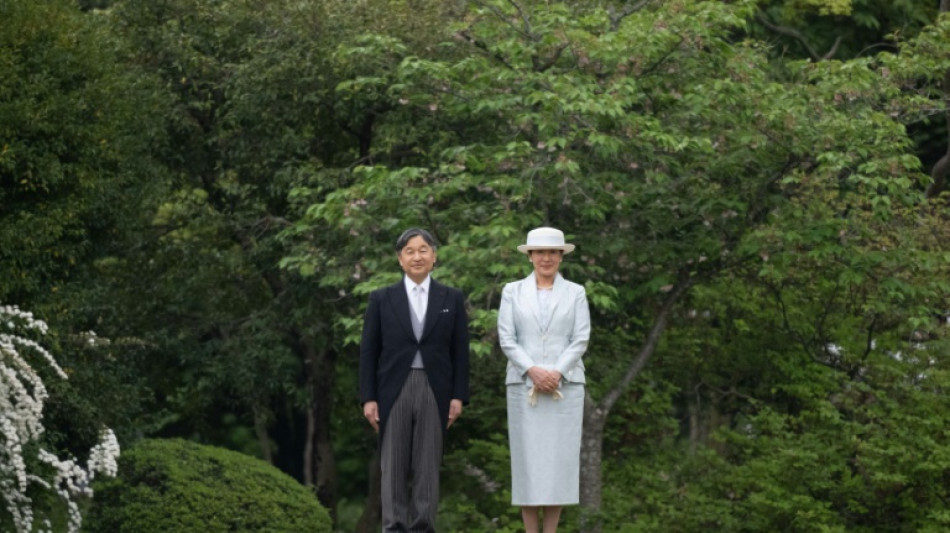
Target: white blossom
(104, 456)
(22, 397)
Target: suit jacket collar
(401, 308)
(409, 284)
(437, 294)
(529, 296)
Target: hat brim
(566, 248)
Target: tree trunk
(941, 168)
(696, 432)
(319, 464)
(263, 438)
(595, 414)
(592, 446)
(370, 519)
(703, 419)
(308, 456)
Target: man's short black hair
(403, 239)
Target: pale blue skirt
(545, 442)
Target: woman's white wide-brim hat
(546, 239)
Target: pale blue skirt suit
(550, 331)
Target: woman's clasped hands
(546, 381)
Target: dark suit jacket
(389, 345)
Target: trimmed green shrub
(176, 485)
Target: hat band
(546, 241)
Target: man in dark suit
(413, 381)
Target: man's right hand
(371, 413)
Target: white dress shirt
(418, 302)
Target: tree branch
(684, 282)
(551, 61)
(501, 16)
(467, 37)
(869, 344)
(524, 20)
(834, 49)
(868, 48)
(655, 66)
(795, 34)
(777, 293)
(616, 18)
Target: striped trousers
(410, 456)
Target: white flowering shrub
(22, 396)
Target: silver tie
(420, 303)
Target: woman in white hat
(543, 328)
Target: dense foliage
(205, 191)
(176, 485)
(74, 146)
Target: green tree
(670, 151)
(234, 341)
(74, 143)
(839, 29)
(843, 29)
(729, 201)
(77, 129)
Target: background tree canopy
(213, 188)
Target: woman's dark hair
(403, 239)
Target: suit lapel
(437, 294)
(400, 306)
(557, 293)
(529, 297)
